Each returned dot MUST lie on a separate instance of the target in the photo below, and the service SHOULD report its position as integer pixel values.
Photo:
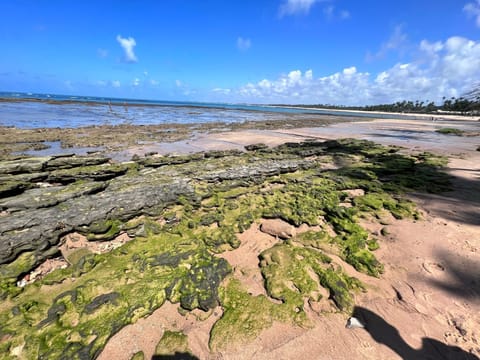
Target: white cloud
(243, 44)
(128, 44)
(443, 68)
(430, 48)
(294, 7)
(331, 13)
(154, 82)
(136, 82)
(115, 83)
(473, 10)
(350, 71)
(178, 83)
(101, 83)
(222, 91)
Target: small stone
(354, 323)
(17, 350)
(22, 283)
(353, 193)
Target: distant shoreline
(445, 116)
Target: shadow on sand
(464, 199)
(176, 356)
(464, 274)
(384, 333)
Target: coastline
(63, 100)
(439, 116)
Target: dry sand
(425, 305)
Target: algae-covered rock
(172, 342)
(74, 256)
(255, 147)
(25, 165)
(293, 274)
(244, 317)
(12, 188)
(39, 229)
(50, 196)
(68, 162)
(138, 356)
(111, 291)
(94, 172)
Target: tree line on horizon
(464, 105)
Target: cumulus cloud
(447, 68)
(294, 7)
(128, 44)
(473, 10)
(243, 44)
(154, 82)
(115, 83)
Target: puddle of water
(55, 149)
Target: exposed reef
(178, 213)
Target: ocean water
(45, 110)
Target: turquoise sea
(27, 110)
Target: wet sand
(411, 134)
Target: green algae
(450, 131)
(294, 273)
(77, 309)
(138, 356)
(9, 273)
(102, 302)
(21, 265)
(245, 316)
(104, 230)
(172, 342)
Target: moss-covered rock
(244, 317)
(172, 342)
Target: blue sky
(274, 51)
